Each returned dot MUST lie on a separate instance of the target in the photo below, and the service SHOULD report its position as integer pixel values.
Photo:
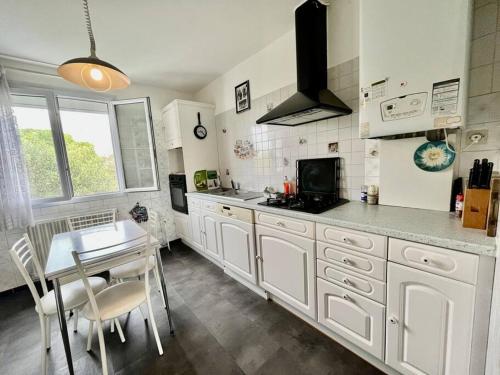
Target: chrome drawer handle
(393, 320)
(346, 240)
(426, 260)
(346, 260)
(346, 281)
(280, 223)
(346, 297)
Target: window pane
(38, 145)
(133, 129)
(89, 146)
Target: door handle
(393, 320)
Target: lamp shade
(93, 73)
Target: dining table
(111, 245)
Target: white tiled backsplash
(278, 147)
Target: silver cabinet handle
(280, 223)
(426, 260)
(345, 239)
(346, 281)
(393, 320)
(346, 260)
(258, 257)
(346, 297)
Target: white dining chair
(93, 219)
(135, 269)
(117, 299)
(74, 294)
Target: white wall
(158, 200)
(274, 66)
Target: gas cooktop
(312, 206)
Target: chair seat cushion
(73, 295)
(117, 300)
(131, 269)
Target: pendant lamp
(92, 72)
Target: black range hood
(313, 101)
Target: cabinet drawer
(210, 206)
(351, 260)
(453, 264)
(300, 227)
(194, 203)
(367, 243)
(363, 285)
(356, 318)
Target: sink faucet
(235, 186)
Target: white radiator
(41, 236)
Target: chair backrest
(154, 224)
(143, 251)
(91, 220)
(23, 253)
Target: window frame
(151, 141)
(51, 96)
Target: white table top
(114, 240)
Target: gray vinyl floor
(221, 328)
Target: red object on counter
(459, 205)
(286, 186)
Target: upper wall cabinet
(181, 118)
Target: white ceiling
(179, 44)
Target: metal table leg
(164, 289)
(62, 324)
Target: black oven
(178, 192)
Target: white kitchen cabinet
(210, 234)
(286, 266)
(354, 317)
(170, 118)
(237, 239)
(429, 323)
(182, 226)
(196, 228)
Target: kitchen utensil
(434, 156)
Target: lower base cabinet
(352, 316)
(182, 226)
(210, 238)
(429, 323)
(237, 241)
(286, 268)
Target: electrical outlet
(479, 137)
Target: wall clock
(200, 131)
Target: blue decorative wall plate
(434, 156)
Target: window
(73, 147)
(136, 143)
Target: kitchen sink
(241, 195)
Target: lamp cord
(89, 27)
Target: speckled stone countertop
(424, 226)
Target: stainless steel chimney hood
(313, 101)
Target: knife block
(476, 203)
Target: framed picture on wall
(242, 96)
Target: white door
(211, 242)
(352, 316)
(286, 268)
(238, 248)
(195, 219)
(429, 323)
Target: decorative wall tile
(485, 20)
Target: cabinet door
(195, 219)
(286, 268)
(170, 118)
(211, 242)
(429, 327)
(238, 248)
(352, 316)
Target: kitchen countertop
(425, 226)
